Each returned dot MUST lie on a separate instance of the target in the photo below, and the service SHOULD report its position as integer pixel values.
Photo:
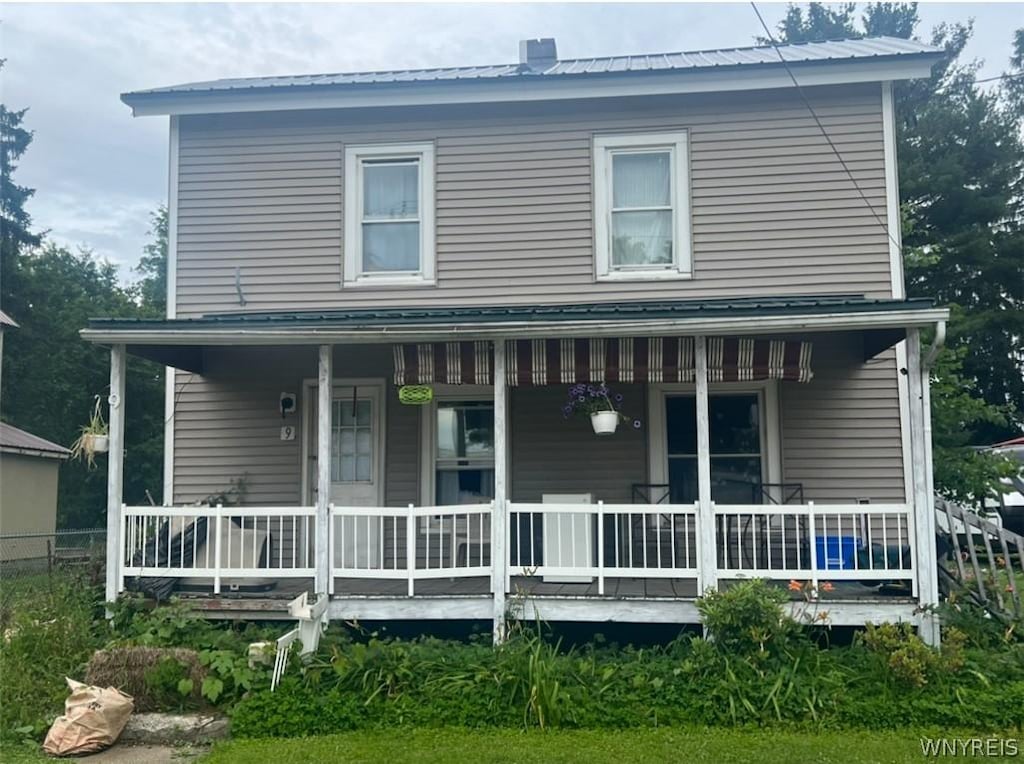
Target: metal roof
(13, 440)
(598, 312)
(762, 55)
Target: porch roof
(884, 319)
(465, 320)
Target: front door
(356, 446)
(357, 469)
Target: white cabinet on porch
(568, 538)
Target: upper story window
(389, 214)
(642, 206)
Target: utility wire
(1017, 76)
(824, 133)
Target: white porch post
(923, 502)
(706, 547)
(115, 471)
(499, 518)
(325, 377)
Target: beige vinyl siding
(773, 210)
(553, 455)
(227, 424)
(841, 433)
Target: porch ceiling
(884, 320)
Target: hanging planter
(97, 444)
(599, 404)
(94, 438)
(605, 422)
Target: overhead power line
(821, 127)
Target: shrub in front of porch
(761, 669)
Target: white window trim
(771, 435)
(682, 249)
(352, 212)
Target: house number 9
(288, 432)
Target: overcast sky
(98, 172)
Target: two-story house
(385, 288)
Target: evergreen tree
(51, 376)
(961, 165)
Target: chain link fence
(26, 557)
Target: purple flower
(581, 399)
(636, 424)
(618, 397)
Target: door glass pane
(734, 430)
(735, 424)
(681, 424)
(391, 247)
(682, 479)
(390, 190)
(352, 441)
(641, 179)
(736, 480)
(642, 238)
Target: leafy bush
(748, 617)
(296, 710)
(168, 684)
(908, 659)
(761, 668)
(221, 648)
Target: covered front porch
(775, 448)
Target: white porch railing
(596, 541)
(411, 543)
(860, 542)
(218, 542)
(575, 543)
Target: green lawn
(591, 747)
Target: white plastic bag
(93, 719)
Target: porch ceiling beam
(660, 327)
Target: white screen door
(357, 470)
(357, 445)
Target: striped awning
(452, 363)
(614, 359)
(654, 359)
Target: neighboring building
(29, 469)
(718, 245)
(1010, 505)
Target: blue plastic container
(836, 552)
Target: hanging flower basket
(599, 404)
(605, 422)
(98, 444)
(94, 438)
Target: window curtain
(391, 193)
(643, 236)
